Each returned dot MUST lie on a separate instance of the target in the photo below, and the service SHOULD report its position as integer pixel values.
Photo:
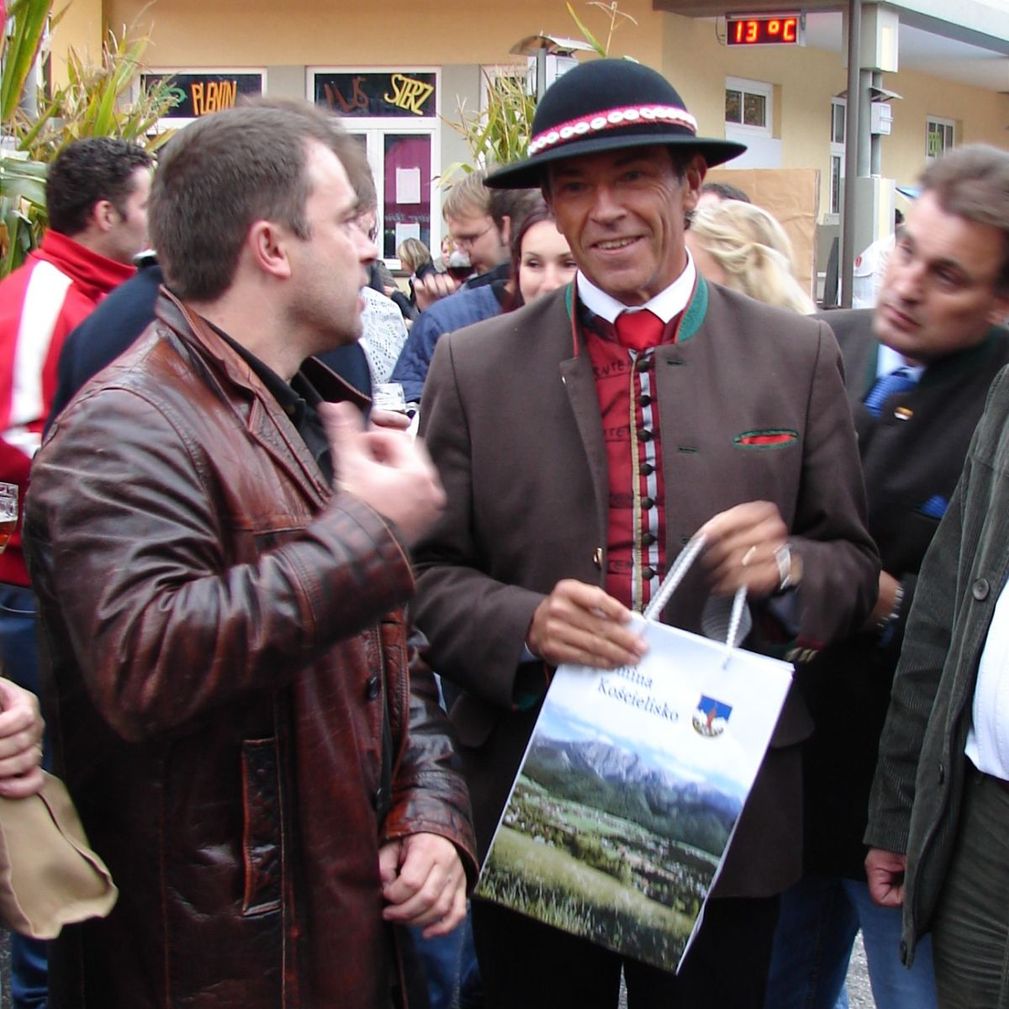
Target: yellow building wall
(315, 32)
(81, 26)
(980, 117)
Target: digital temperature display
(769, 29)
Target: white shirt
(869, 271)
(888, 361)
(988, 739)
(666, 304)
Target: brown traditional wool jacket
(513, 423)
(226, 650)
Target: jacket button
(942, 773)
(372, 689)
(980, 589)
(597, 557)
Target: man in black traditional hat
(582, 441)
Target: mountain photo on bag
(630, 792)
(606, 839)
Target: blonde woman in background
(413, 254)
(414, 257)
(742, 247)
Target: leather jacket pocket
(261, 841)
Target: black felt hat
(604, 105)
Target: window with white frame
(394, 115)
(938, 136)
(748, 106)
(838, 110)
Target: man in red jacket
(96, 193)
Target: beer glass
(8, 512)
(388, 396)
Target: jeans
(19, 659)
(820, 917)
(812, 946)
(449, 961)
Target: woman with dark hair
(541, 259)
(541, 262)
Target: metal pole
(876, 141)
(541, 73)
(852, 137)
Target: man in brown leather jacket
(221, 555)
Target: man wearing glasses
(481, 223)
(469, 216)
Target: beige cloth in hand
(49, 876)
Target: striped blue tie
(889, 385)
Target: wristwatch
(789, 568)
(885, 625)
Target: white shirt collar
(889, 360)
(666, 304)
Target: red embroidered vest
(628, 402)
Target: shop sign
(398, 93)
(200, 94)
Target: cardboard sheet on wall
(793, 196)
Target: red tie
(639, 330)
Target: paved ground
(859, 992)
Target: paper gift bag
(630, 790)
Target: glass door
(404, 164)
